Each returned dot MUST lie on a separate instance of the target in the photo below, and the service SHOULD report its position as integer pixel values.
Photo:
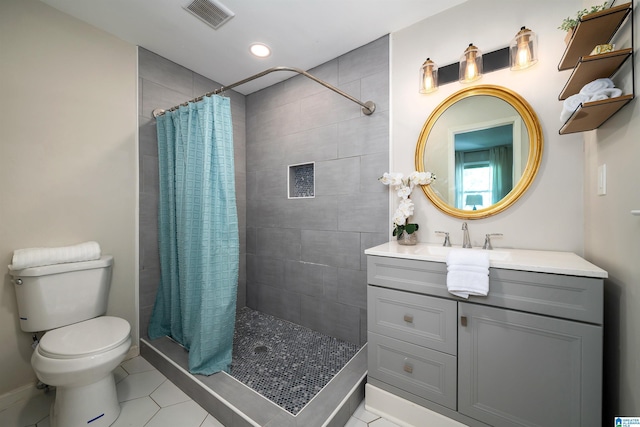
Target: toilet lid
(85, 338)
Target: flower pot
(408, 239)
(567, 37)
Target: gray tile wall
(163, 84)
(305, 260)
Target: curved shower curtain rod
(367, 107)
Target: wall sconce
(523, 49)
(428, 76)
(520, 54)
(470, 64)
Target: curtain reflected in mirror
(484, 172)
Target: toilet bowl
(81, 346)
(79, 360)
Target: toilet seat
(86, 338)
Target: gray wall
(163, 84)
(305, 260)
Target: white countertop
(512, 259)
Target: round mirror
(484, 144)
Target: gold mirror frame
(534, 158)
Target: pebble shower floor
(284, 362)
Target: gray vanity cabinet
(529, 354)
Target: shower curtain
(198, 233)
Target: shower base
(282, 375)
(284, 362)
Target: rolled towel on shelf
(597, 85)
(468, 272)
(598, 97)
(36, 257)
(571, 104)
(612, 92)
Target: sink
(443, 251)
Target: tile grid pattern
(305, 260)
(284, 362)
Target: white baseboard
(134, 351)
(18, 394)
(403, 412)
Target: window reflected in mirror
(483, 165)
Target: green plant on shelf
(570, 23)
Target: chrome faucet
(466, 241)
(487, 240)
(447, 242)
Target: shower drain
(260, 349)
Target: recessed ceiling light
(260, 50)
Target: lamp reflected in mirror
(473, 201)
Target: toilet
(81, 346)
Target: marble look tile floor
(148, 399)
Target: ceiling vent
(213, 13)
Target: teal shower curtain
(198, 233)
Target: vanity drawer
(421, 371)
(418, 319)
(423, 277)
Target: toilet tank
(61, 294)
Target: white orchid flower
(399, 218)
(404, 192)
(393, 179)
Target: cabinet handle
(408, 318)
(408, 368)
(463, 320)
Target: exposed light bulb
(524, 56)
(471, 72)
(428, 82)
(523, 49)
(470, 65)
(428, 77)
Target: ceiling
(301, 33)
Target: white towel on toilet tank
(35, 257)
(468, 272)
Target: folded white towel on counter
(468, 272)
(596, 85)
(571, 104)
(35, 257)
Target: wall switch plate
(602, 180)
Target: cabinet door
(518, 369)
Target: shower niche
(301, 181)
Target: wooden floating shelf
(593, 67)
(592, 30)
(591, 115)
